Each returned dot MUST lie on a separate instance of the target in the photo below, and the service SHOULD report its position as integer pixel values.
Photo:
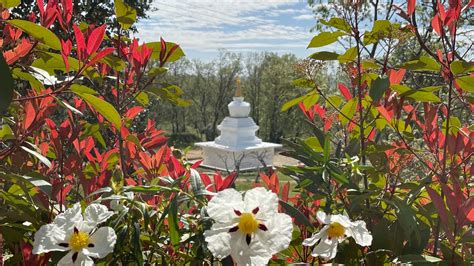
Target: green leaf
(68, 106)
(311, 100)
(142, 98)
(348, 110)
(38, 32)
(137, 243)
(9, 3)
(348, 56)
(6, 132)
(126, 15)
(172, 94)
(37, 155)
(314, 143)
(6, 85)
(378, 88)
(173, 222)
(303, 83)
(337, 23)
(325, 56)
(461, 67)
(113, 61)
(423, 63)
(415, 258)
(147, 189)
(381, 29)
(78, 88)
(34, 82)
(295, 213)
(296, 101)
(327, 149)
(102, 107)
(370, 64)
(454, 126)
(38, 181)
(325, 38)
(50, 62)
(156, 46)
(466, 83)
(156, 71)
(422, 95)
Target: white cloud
(236, 25)
(304, 17)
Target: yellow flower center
(79, 240)
(247, 223)
(335, 230)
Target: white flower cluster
(251, 230)
(247, 227)
(71, 231)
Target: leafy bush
(388, 178)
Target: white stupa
(237, 147)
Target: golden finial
(238, 92)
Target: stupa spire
(238, 91)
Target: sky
(203, 27)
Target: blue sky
(202, 27)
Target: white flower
(120, 204)
(251, 230)
(337, 228)
(71, 231)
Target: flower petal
(265, 200)
(326, 249)
(69, 219)
(81, 259)
(218, 242)
(315, 237)
(47, 239)
(244, 254)
(221, 207)
(341, 219)
(103, 241)
(359, 232)
(279, 233)
(96, 214)
(323, 218)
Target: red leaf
(411, 6)
(468, 210)
(218, 181)
(265, 179)
(384, 113)
(206, 180)
(101, 55)
(451, 199)
(18, 52)
(440, 206)
(285, 192)
(441, 11)
(345, 91)
(396, 76)
(133, 112)
(163, 51)
(81, 43)
(229, 180)
(95, 39)
(30, 115)
(436, 24)
(66, 47)
(67, 10)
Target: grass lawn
(246, 181)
